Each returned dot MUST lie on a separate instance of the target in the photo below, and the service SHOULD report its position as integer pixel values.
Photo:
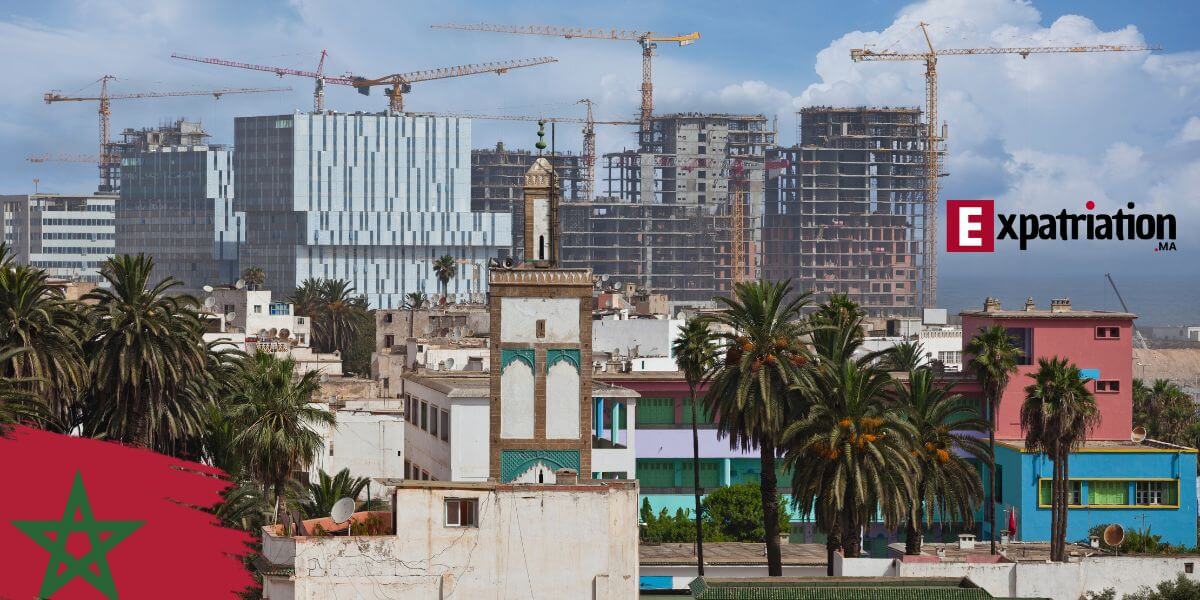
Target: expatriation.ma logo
(64, 564)
(971, 226)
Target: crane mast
(933, 140)
(648, 40)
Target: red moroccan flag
(82, 518)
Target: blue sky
(1037, 135)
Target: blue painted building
(1135, 485)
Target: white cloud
(1191, 130)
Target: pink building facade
(1100, 343)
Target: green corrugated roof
(837, 588)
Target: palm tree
(852, 454)
(948, 427)
(695, 353)
(338, 316)
(445, 268)
(414, 301)
(48, 332)
(750, 391)
(15, 398)
(904, 357)
(273, 409)
(254, 277)
(1057, 415)
(328, 490)
(151, 383)
(1165, 410)
(993, 360)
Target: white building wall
(531, 542)
(370, 444)
(470, 431)
(516, 399)
(636, 337)
(423, 449)
(521, 315)
(562, 401)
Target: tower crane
(401, 83)
(648, 40)
(109, 165)
(933, 140)
(589, 123)
(71, 158)
(317, 76)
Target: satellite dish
(1138, 435)
(342, 510)
(450, 363)
(239, 284)
(208, 289)
(604, 278)
(209, 302)
(229, 316)
(273, 333)
(285, 334)
(1113, 535)
(263, 334)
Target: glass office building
(177, 206)
(69, 237)
(371, 198)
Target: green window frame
(1152, 493)
(1074, 496)
(656, 473)
(702, 413)
(1108, 493)
(656, 411)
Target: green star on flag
(63, 566)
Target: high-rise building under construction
(846, 212)
(498, 183)
(668, 223)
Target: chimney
(991, 305)
(566, 476)
(1060, 305)
(1029, 305)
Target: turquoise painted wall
(1023, 471)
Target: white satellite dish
(210, 302)
(239, 284)
(342, 510)
(1138, 435)
(208, 289)
(229, 316)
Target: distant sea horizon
(1157, 301)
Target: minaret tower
(541, 351)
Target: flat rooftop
(1147, 445)
(729, 553)
(1048, 314)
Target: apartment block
(69, 237)
(371, 198)
(845, 212)
(670, 222)
(177, 204)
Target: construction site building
(667, 224)
(69, 237)
(177, 204)
(846, 212)
(498, 178)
